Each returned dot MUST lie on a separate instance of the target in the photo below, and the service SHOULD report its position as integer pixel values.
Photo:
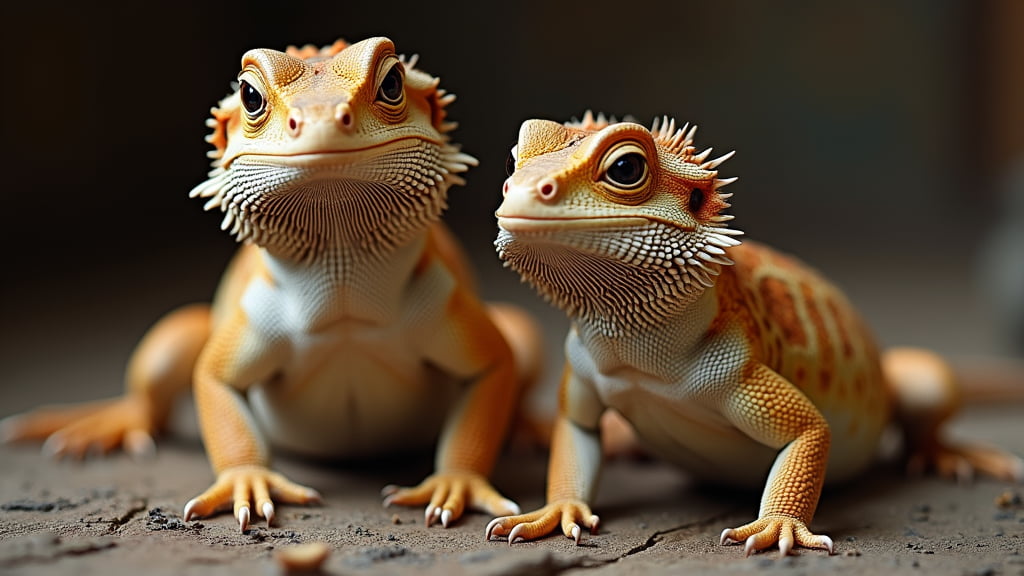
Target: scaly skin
(739, 363)
(348, 324)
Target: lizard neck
(346, 281)
(681, 328)
(611, 293)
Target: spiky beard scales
(299, 212)
(621, 279)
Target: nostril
(294, 122)
(343, 116)
(504, 189)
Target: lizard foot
(776, 529)
(243, 486)
(80, 429)
(962, 461)
(570, 514)
(448, 494)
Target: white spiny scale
(212, 203)
(691, 134)
(229, 218)
(700, 158)
(712, 164)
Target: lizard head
(611, 220)
(343, 144)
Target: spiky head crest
(619, 225)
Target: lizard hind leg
(160, 368)
(927, 395)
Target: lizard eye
(391, 88)
(510, 162)
(624, 172)
(252, 100)
(627, 170)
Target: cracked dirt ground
(118, 516)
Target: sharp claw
(490, 528)
(389, 490)
(243, 518)
(594, 521)
(190, 508)
(314, 496)
(514, 536)
(576, 533)
(1017, 471)
(829, 545)
(785, 545)
(388, 500)
(748, 547)
(431, 515)
(268, 512)
(54, 446)
(140, 445)
(726, 537)
(446, 518)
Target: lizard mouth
(338, 157)
(527, 224)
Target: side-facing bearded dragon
(738, 362)
(348, 324)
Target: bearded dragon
(738, 362)
(347, 325)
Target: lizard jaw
(520, 224)
(340, 156)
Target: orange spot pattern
(801, 326)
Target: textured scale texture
(739, 363)
(348, 324)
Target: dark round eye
(627, 170)
(510, 164)
(696, 200)
(391, 88)
(252, 100)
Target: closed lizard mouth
(545, 224)
(335, 157)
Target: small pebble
(1008, 499)
(302, 557)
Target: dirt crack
(658, 535)
(113, 524)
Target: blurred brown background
(875, 139)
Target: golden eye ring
(392, 86)
(252, 96)
(625, 172)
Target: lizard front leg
(240, 457)
(476, 428)
(774, 412)
(159, 370)
(573, 471)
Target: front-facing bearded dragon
(347, 324)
